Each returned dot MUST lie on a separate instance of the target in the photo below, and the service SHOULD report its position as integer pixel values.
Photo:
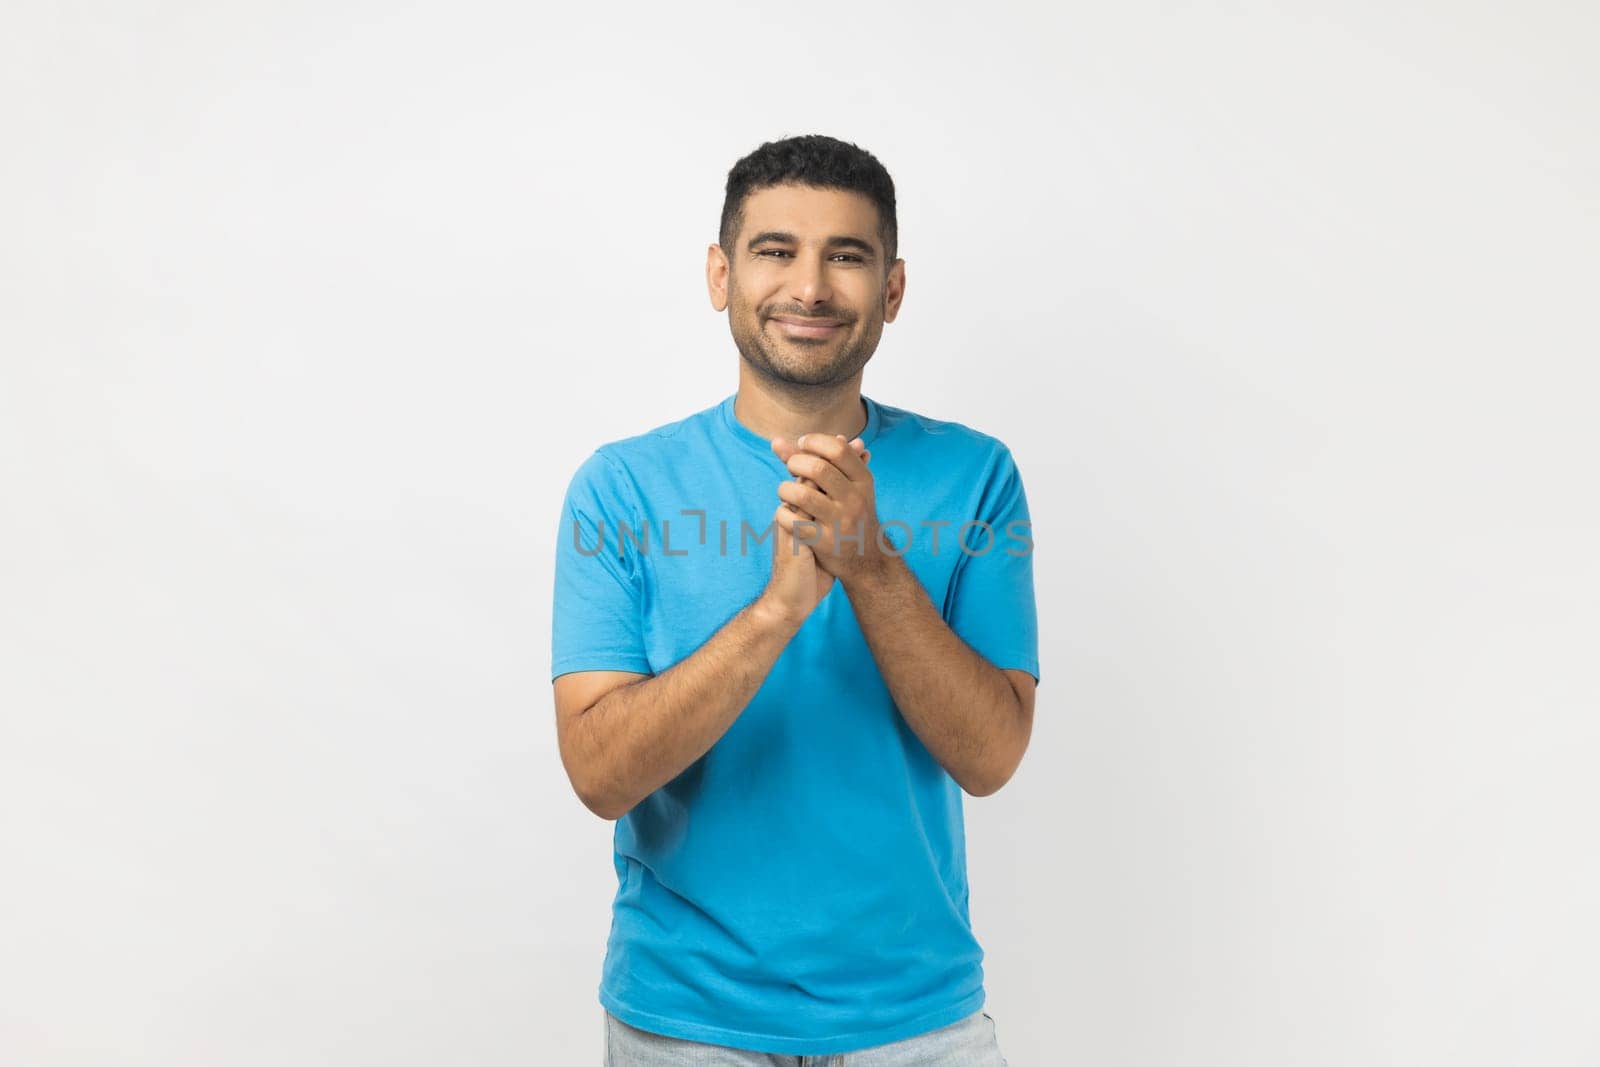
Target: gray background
(310, 310)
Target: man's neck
(790, 413)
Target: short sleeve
(597, 618)
(991, 604)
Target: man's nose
(809, 280)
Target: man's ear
(894, 290)
(717, 276)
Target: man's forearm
(959, 704)
(640, 736)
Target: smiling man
(790, 630)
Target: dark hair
(814, 160)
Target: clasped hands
(835, 494)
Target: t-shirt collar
(763, 445)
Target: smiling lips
(803, 327)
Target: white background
(309, 311)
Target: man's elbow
(604, 804)
(601, 808)
(992, 779)
(591, 791)
(988, 787)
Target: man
(789, 631)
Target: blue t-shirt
(801, 888)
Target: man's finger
(819, 473)
(784, 448)
(840, 453)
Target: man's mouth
(800, 326)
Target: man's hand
(834, 489)
(797, 584)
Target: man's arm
(626, 735)
(974, 718)
(623, 736)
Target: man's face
(805, 284)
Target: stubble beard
(795, 363)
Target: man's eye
(846, 257)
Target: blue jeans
(970, 1042)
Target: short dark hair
(814, 160)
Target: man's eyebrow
(782, 237)
(771, 235)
